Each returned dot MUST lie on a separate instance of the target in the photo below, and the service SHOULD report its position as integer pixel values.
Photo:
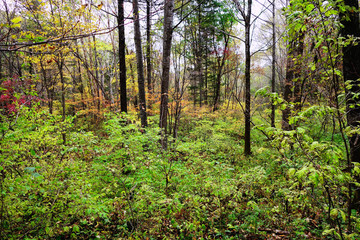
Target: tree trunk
(167, 38)
(140, 66)
(247, 149)
(122, 56)
(148, 45)
(273, 65)
(351, 72)
(60, 63)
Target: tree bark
(167, 38)
(122, 56)
(148, 46)
(273, 65)
(140, 66)
(247, 149)
(351, 72)
(60, 63)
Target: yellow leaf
(16, 20)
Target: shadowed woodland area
(176, 119)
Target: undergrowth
(118, 182)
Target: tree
(140, 66)
(273, 64)
(122, 59)
(167, 38)
(351, 74)
(245, 12)
(148, 45)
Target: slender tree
(122, 62)
(167, 38)
(148, 45)
(246, 15)
(140, 66)
(273, 64)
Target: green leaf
(291, 172)
(309, 7)
(334, 213)
(328, 232)
(300, 130)
(32, 151)
(76, 228)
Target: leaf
(328, 232)
(16, 20)
(334, 213)
(309, 7)
(17, 25)
(291, 172)
(300, 130)
(76, 228)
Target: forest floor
(116, 182)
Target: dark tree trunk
(247, 149)
(351, 72)
(167, 38)
(60, 63)
(148, 45)
(122, 56)
(140, 66)
(273, 64)
(206, 76)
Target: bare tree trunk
(247, 149)
(351, 72)
(140, 66)
(60, 64)
(122, 56)
(246, 15)
(167, 38)
(148, 45)
(273, 65)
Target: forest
(179, 119)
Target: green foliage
(120, 183)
